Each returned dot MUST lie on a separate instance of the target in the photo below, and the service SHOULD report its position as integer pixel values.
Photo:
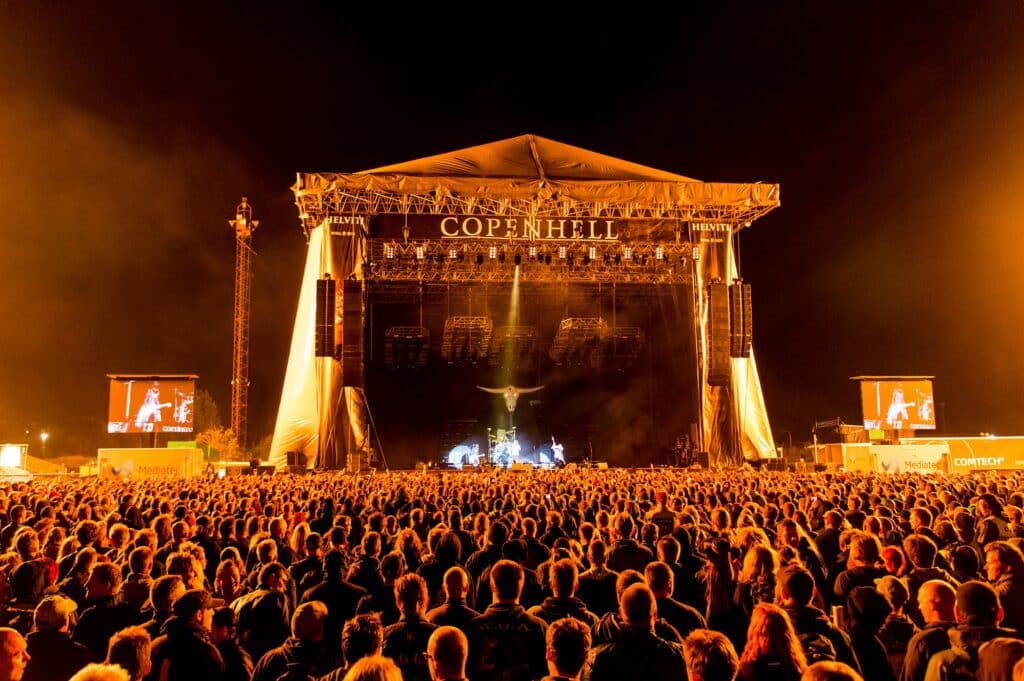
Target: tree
(207, 413)
(219, 440)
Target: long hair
(771, 634)
(760, 561)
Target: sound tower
(352, 334)
(325, 311)
(740, 323)
(718, 334)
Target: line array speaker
(741, 325)
(718, 334)
(352, 334)
(325, 311)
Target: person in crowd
(506, 641)
(710, 656)
(936, 601)
(184, 651)
(866, 612)
(863, 566)
(130, 649)
(978, 615)
(263, 614)
(361, 637)
(993, 525)
(773, 651)
(381, 599)
(238, 665)
(52, 652)
(626, 553)
(104, 613)
(819, 638)
(897, 630)
(14, 655)
(433, 569)
(564, 582)
(1004, 569)
(921, 552)
(998, 658)
(406, 640)
(597, 584)
(447, 650)
(304, 651)
(567, 649)
(162, 595)
(682, 617)
(454, 611)
(637, 652)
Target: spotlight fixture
(479, 258)
(659, 253)
(518, 259)
(592, 252)
(492, 252)
(627, 253)
(562, 252)
(421, 253)
(452, 253)
(696, 253)
(389, 252)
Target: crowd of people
(575, 574)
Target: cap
(894, 590)
(191, 602)
(53, 611)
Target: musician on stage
(151, 406)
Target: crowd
(514, 576)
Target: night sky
(129, 133)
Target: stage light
(518, 260)
(533, 251)
(695, 254)
(592, 253)
(479, 258)
(501, 257)
(627, 253)
(659, 253)
(420, 253)
(389, 252)
(492, 252)
(452, 253)
(562, 252)
(10, 456)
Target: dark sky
(895, 129)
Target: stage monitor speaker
(719, 367)
(740, 321)
(352, 334)
(325, 311)
(266, 470)
(703, 459)
(602, 465)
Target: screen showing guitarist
(151, 406)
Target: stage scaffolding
(658, 231)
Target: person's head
(830, 671)
(308, 621)
(447, 650)
(936, 600)
(411, 595)
(375, 668)
(196, 608)
(273, 577)
(506, 581)
(54, 612)
(568, 645)
(13, 655)
(564, 578)
(894, 590)
(668, 549)
(130, 650)
(95, 671)
(865, 549)
(894, 559)
(794, 585)
(228, 579)
(1002, 558)
(771, 634)
(638, 606)
(392, 566)
(597, 552)
(920, 550)
(660, 578)
(361, 637)
(710, 656)
(867, 609)
(223, 624)
(104, 580)
(165, 590)
(456, 583)
(758, 562)
(977, 605)
(266, 551)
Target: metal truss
(466, 340)
(318, 196)
(406, 346)
(477, 295)
(577, 338)
(486, 261)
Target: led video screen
(895, 404)
(151, 404)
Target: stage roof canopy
(529, 175)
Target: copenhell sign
(540, 228)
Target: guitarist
(151, 406)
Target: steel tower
(244, 226)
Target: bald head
(447, 650)
(456, 583)
(936, 600)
